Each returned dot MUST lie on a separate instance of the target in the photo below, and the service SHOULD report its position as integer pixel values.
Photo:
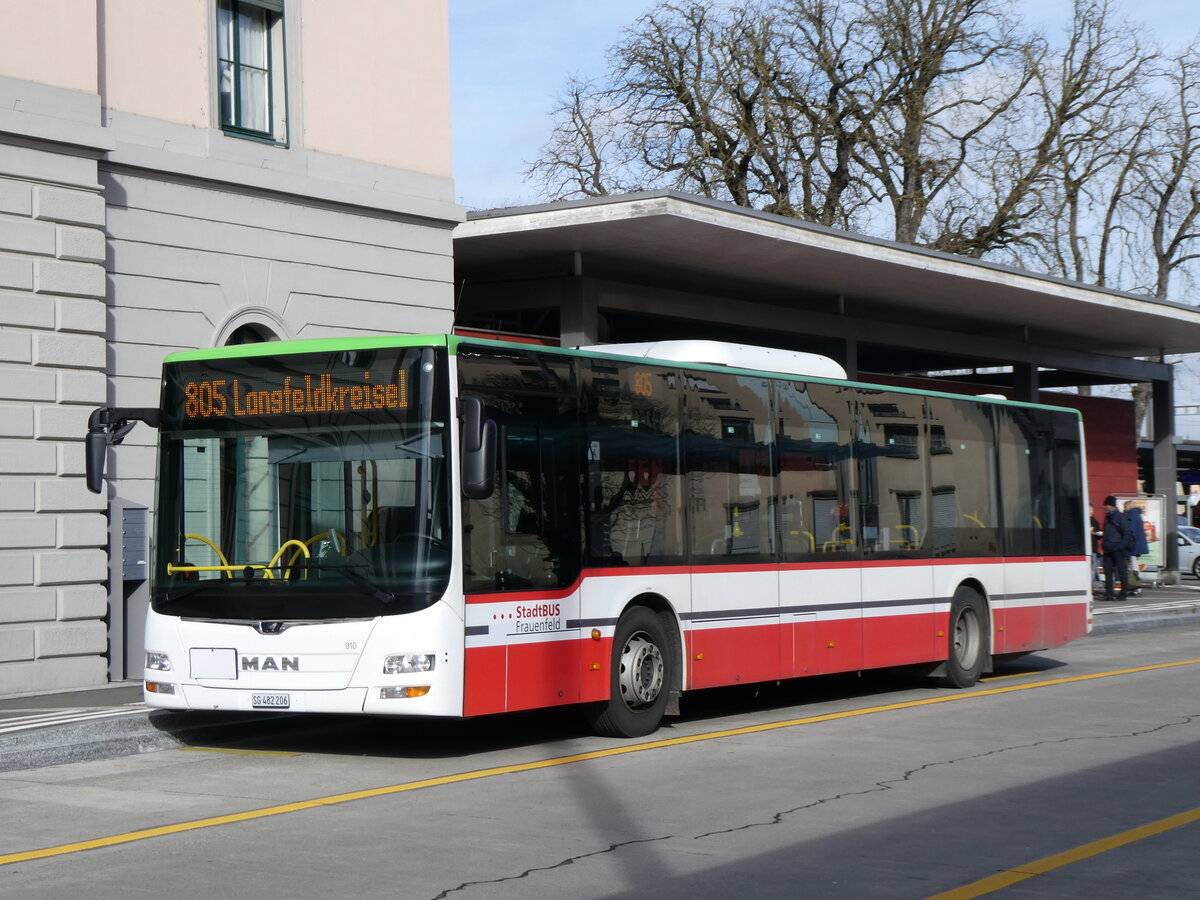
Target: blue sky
(510, 58)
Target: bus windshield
(307, 486)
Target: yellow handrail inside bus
(337, 539)
(303, 548)
(913, 543)
(834, 541)
(173, 569)
(204, 540)
(978, 521)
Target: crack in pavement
(571, 860)
(879, 786)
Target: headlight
(408, 663)
(159, 662)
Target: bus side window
(729, 471)
(521, 479)
(890, 453)
(1021, 478)
(812, 444)
(963, 475)
(634, 487)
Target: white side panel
(730, 599)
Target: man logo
(271, 664)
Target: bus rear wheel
(641, 678)
(967, 639)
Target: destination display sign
(223, 398)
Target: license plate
(270, 701)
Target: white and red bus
(446, 526)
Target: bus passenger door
(734, 622)
(891, 455)
(820, 592)
(1025, 480)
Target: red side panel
(543, 674)
(719, 656)
(595, 669)
(900, 640)
(484, 681)
(1063, 624)
(1023, 629)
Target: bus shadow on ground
(423, 738)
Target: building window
(250, 66)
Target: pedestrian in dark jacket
(1133, 513)
(1118, 538)
(1097, 560)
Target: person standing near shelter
(1117, 540)
(1094, 526)
(1133, 512)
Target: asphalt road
(1070, 774)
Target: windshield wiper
(370, 587)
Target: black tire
(643, 672)
(967, 638)
(1196, 566)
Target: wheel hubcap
(966, 638)
(641, 675)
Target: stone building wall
(53, 533)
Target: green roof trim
(455, 341)
(318, 345)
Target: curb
(139, 731)
(1116, 621)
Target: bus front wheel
(641, 677)
(968, 639)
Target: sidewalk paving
(111, 720)
(1177, 604)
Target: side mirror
(478, 449)
(95, 446)
(109, 425)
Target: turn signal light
(159, 687)
(402, 693)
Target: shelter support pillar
(579, 314)
(1166, 469)
(1025, 382)
(850, 358)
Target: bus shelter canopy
(665, 264)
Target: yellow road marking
(516, 768)
(239, 752)
(1057, 861)
(1024, 674)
